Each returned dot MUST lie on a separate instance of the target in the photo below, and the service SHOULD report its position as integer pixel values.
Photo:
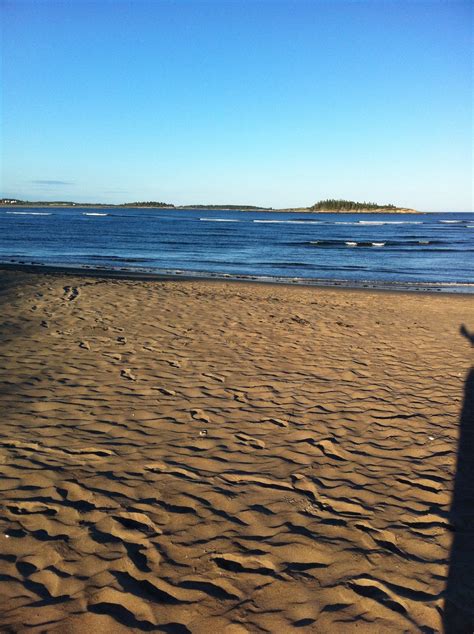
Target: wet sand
(192, 456)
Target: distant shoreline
(299, 210)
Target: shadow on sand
(458, 617)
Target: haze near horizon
(262, 103)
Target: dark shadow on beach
(458, 616)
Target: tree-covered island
(341, 206)
(330, 205)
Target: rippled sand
(223, 457)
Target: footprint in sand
(70, 293)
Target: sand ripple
(196, 457)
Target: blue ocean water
(355, 248)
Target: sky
(273, 103)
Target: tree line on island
(7, 202)
(200, 206)
(332, 204)
(329, 205)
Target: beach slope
(190, 456)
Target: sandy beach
(193, 456)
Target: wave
(324, 243)
(290, 265)
(450, 222)
(85, 213)
(218, 220)
(289, 222)
(389, 222)
(358, 223)
(351, 243)
(372, 243)
(29, 213)
(117, 258)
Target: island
(150, 204)
(330, 205)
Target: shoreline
(295, 210)
(123, 273)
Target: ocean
(416, 252)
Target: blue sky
(256, 102)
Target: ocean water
(417, 251)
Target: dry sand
(219, 457)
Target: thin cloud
(52, 182)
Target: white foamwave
(351, 244)
(29, 213)
(450, 222)
(378, 244)
(289, 222)
(218, 220)
(93, 214)
(390, 222)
